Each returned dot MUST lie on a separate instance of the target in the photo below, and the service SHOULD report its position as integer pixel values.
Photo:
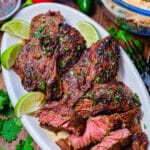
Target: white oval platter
(127, 71)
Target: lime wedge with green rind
(89, 32)
(10, 54)
(19, 28)
(29, 103)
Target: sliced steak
(139, 138)
(106, 99)
(96, 129)
(99, 64)
(71, 46)
(51, 44)
(114, 141)
(56, 116)
(140, 141)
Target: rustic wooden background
(98, 16)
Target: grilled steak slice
(106, 99)
(51, 45)
(96, 129)
(139, 138)
(114, 141)
(57, 116)
(47, 23)
(71, 46)
(140, 141)
(99, 64)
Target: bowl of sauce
(8, 8)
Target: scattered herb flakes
(136, 99)
(78, 47)
(101, 91)
(32, 44)
(145, 127)
(71, 72)
(100, 51)
(39, 31)
(42, 85)
(97, 79)
(62, 65)
(66, 48)
(10, 130)
(25, 144)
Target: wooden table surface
(100, 17)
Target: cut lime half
(10, 54)
(89, 32)
(17, 28)
(29, 103)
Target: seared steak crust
(106, 99)
(96, 129)
(52, 49)
(80, 84)
(71, 46)
(99, 64)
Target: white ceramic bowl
(11, 13)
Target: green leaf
(18, 122)
(123, 35)
(4, 99)
(7, 111)
(10, 130)
(1, 124)
(25, 144)
(139, 45)
(2, 148)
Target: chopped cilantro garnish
(42, 85)
(66, 48)
(136, 99)
(97, 79)
(71, 72)
(39, 31)
(145, 127)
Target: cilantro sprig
(25, 144)
(132, 46)
(10, 130)
(10, 125)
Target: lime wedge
(29, 103)
(17, 28)
(10, 54)
(89, 32)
